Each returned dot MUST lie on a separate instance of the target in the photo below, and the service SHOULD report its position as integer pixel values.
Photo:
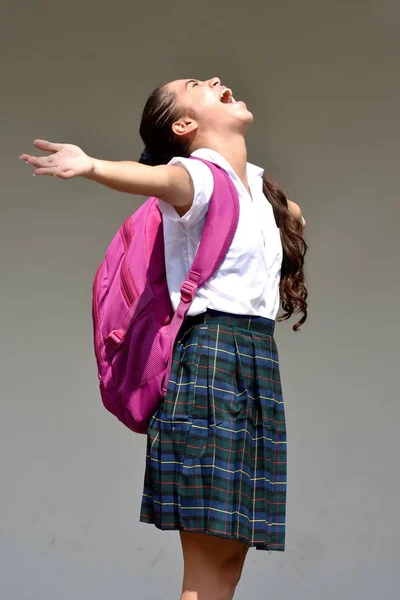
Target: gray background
(322, 79)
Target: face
(209, 106)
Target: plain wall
(322, 79)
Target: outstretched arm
(170, 183)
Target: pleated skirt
(216, 447)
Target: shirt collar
(215, 157)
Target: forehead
(179, 86)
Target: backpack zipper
(95, 312)
(128, 289)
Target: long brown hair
(292, 288)
(160, 112)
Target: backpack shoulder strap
(219, 229)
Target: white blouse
(247, 282)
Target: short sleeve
(203, 184)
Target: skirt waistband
(253, 323)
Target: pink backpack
(134, 323)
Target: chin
(246, 119)
(243, 112)
(250, 117)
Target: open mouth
(226, 96)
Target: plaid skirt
(216, 447)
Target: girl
(216, 449)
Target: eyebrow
(190, 81)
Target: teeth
(226, 91)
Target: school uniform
(216, 448)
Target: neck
(234, 151)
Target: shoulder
(201, 176)
(295, 211)
(198, 170)
(202, 182)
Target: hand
(295, 211)
(66, 160)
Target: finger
(47, 171)
(54, 172)
(28, 157)
(47, 146)
(39, 161)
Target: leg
(212, 566)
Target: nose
(214, 82)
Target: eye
(195, 83)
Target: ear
(185, 126)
